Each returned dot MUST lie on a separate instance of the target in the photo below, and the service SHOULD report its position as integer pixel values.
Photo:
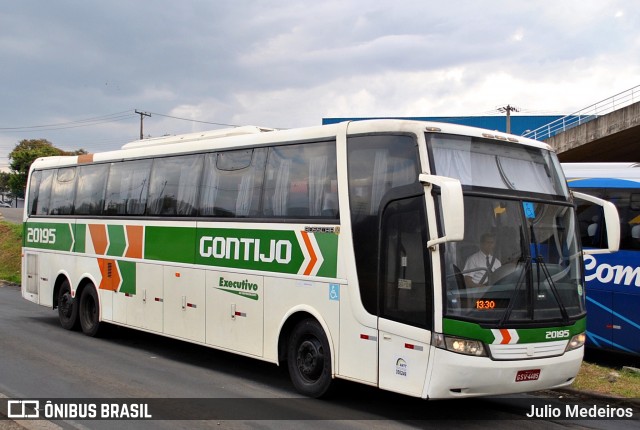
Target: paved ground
(11, 215)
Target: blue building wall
(519, 124)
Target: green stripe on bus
(532, 335)
(128, 274)
(117, 241)
(529, 335)
(173, 244)
(48, 235)
(328, 244)
(467, 330)
(81, 238)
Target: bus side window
(173, 188)
(590, 220)
(44, 192)
(92, 179)
(127, 188)
(34, 186)
(232, 182)
(301, 181)
(63, 191)
(627, 202)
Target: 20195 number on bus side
(345, 251)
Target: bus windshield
(502, 165)
(519, 262)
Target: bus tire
(309, 359)
(89, 311)
(67, 307)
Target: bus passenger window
(44, 192)
(34, 185)
(173, 188)
(92, 180)
(301, 181)
(127, 188)
(63, 190)
(232, 182)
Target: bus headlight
(576, 342)
(459, 345)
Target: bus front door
(406, 299)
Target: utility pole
(142, 115)
(508, 109)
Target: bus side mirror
(452, 207)
(611, 222)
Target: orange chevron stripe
(506, 337)
(99, 237)
(135, 234)
(110, 274)
(312, 254)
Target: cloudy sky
(74, 72)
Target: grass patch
(10, 251)
(606, 380)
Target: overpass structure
(604, 132)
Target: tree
(21, 158)
(4, 182)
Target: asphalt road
(11, 214)
(38, 359)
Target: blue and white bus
(613, 280)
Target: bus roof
(602, 175)
(247, 136)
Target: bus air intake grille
(521, 351)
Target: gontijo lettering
(246, 249)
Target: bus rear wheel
(309, 359)
(67, 307)
(89, 311)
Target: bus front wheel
(67, 307)
(89, 311)
(309, 359)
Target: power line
(195, 120)
(73, 124)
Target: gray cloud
(287, 64)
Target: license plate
(528, 375)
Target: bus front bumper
(456, 375)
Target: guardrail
(587, 114)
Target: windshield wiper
(503, 175)
(519, 283)
(552, 285)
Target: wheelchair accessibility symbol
(334, 292)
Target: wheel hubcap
(310, 359)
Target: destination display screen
(489, 304)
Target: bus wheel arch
(65, 303)
(88, 308)
(305, 346)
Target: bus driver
(483, 260)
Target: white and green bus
(343, 251)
